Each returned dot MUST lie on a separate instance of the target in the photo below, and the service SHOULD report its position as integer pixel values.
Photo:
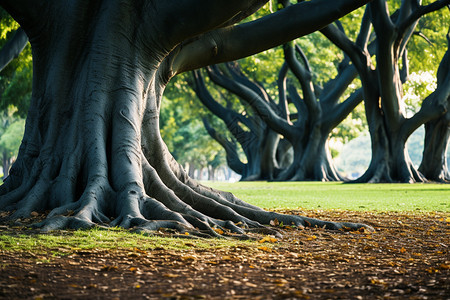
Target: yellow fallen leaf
(311, 238)
(268, 239)
(265, 249)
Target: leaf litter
(407, 257)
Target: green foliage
(16, 83)
(417, 88)
(11, 137)
(182, 128)
(427, 49)
(16, 78)
(335, 195)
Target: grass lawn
(405, 258)
(333, 195)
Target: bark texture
(92, 151)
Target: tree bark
(92, 151)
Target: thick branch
(437, 103)
(343, 109)
(236, 42)
(281, 84)
(418, 13)
(304, 77)
(232, 156)
(13, 48)
(338, 86)
(263, 108)
(25, 12)
(185, 15)
(237, 75)
(230, 117)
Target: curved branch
(420, 12)
(230, 117)
(438, 102)
(213, 15)
(281, 84)
(232, 156)
(262, 108)
(237, 75)
(338, 86)
(13, 48)
(343, 109)
(304, 77)
(236, 42)
(364, 32)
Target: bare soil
(406, 258)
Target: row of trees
(92, 152)
(306, 111)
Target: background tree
(314, 119)
(92, 148)
(437, 132)
(258, 141)
(385, 110)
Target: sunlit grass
(333, 195)
(67, 242)
(271, 195)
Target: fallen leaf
(265, 249)
(268, 239)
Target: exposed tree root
(167, 198)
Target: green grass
(270, 195)
(333, 195)
(60, 243)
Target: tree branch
(232, 155)
(262, 108)
(26, 12)
(438, 102)
(13, 48)
(282, 97)
(339, 85)
(239, 41)
(420, 12)
(194, 17)
(230, 117)
(340, 112)
(305, 79)
(237, 75)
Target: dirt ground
(406, 258)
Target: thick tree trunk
(92, 151)
(434, 161)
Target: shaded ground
(406, 258)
